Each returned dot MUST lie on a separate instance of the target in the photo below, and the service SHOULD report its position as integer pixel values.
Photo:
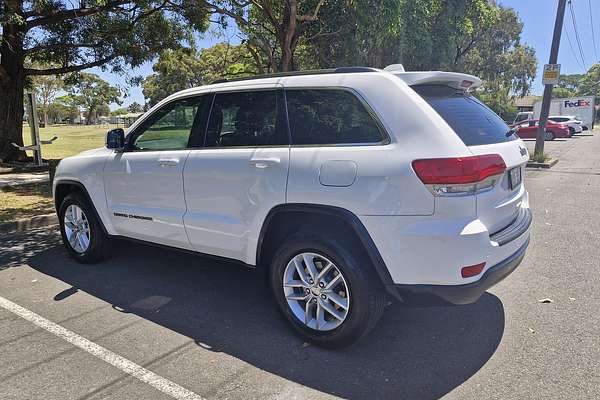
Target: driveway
(151, 323)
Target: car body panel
(528, 131)
(144, 195)
(229, 193)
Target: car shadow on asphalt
(412, 353)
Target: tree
(568, 85)
(187, 67)
(589, 82)
(119, 111)
(93, 94)
(579, 84)
(273, 28)
(80, 35)
(46, 88)
(356, 33)
(135, 107)
(63, 109)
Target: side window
(170, 127)
(330, 116)
(246, 119)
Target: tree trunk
(11, 119)
(287, 34)
(12, 83)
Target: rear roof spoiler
(453, 79)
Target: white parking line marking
(158, 382)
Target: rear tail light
(472, 270)
(461, 175)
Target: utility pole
(595, 102)
(560, 16)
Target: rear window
(472, 120)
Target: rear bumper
(432, 295)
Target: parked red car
(528, 130)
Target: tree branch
(69, 68)
(50, 46)
(314, 16)
(266, 10)
(59, 15)
(221, 10)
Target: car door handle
(168, 162)
(264, 162)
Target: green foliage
(46, 88)
(588, 85)
(119, 111)
(124, 35)
(181, 69)
(135, 107)
(472, 36)
(567, 85)
(63, 109)
(579, 84)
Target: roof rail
(340, 70)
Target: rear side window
(246, 119)
(329, 116)
(472, 120)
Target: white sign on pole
(551, 74)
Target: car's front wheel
(325, 291)
(81, 231)
(549, 135)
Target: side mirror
(115, 139)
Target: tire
(549, 135)
(571, 131)
(97, 248)
(359, 288)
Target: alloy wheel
(77, 228)
(316, 291)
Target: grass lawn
(25, 201)
(72, 139)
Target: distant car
(522, 117)
(528, 130)
(575, 125)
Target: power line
(577, 39)
(593, 34)
(572, 49)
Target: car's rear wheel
(549, 135)
(81, 231)
(325, 291)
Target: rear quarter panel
(385, 182)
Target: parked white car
(575, 125)
(342, 187)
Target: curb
(21, 225)
(545, 165)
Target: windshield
(472, 120)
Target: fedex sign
(581, 107)
(577, 103)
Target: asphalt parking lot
(189, 327)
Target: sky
(537, 16)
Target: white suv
(575, 125)
(342, 187)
